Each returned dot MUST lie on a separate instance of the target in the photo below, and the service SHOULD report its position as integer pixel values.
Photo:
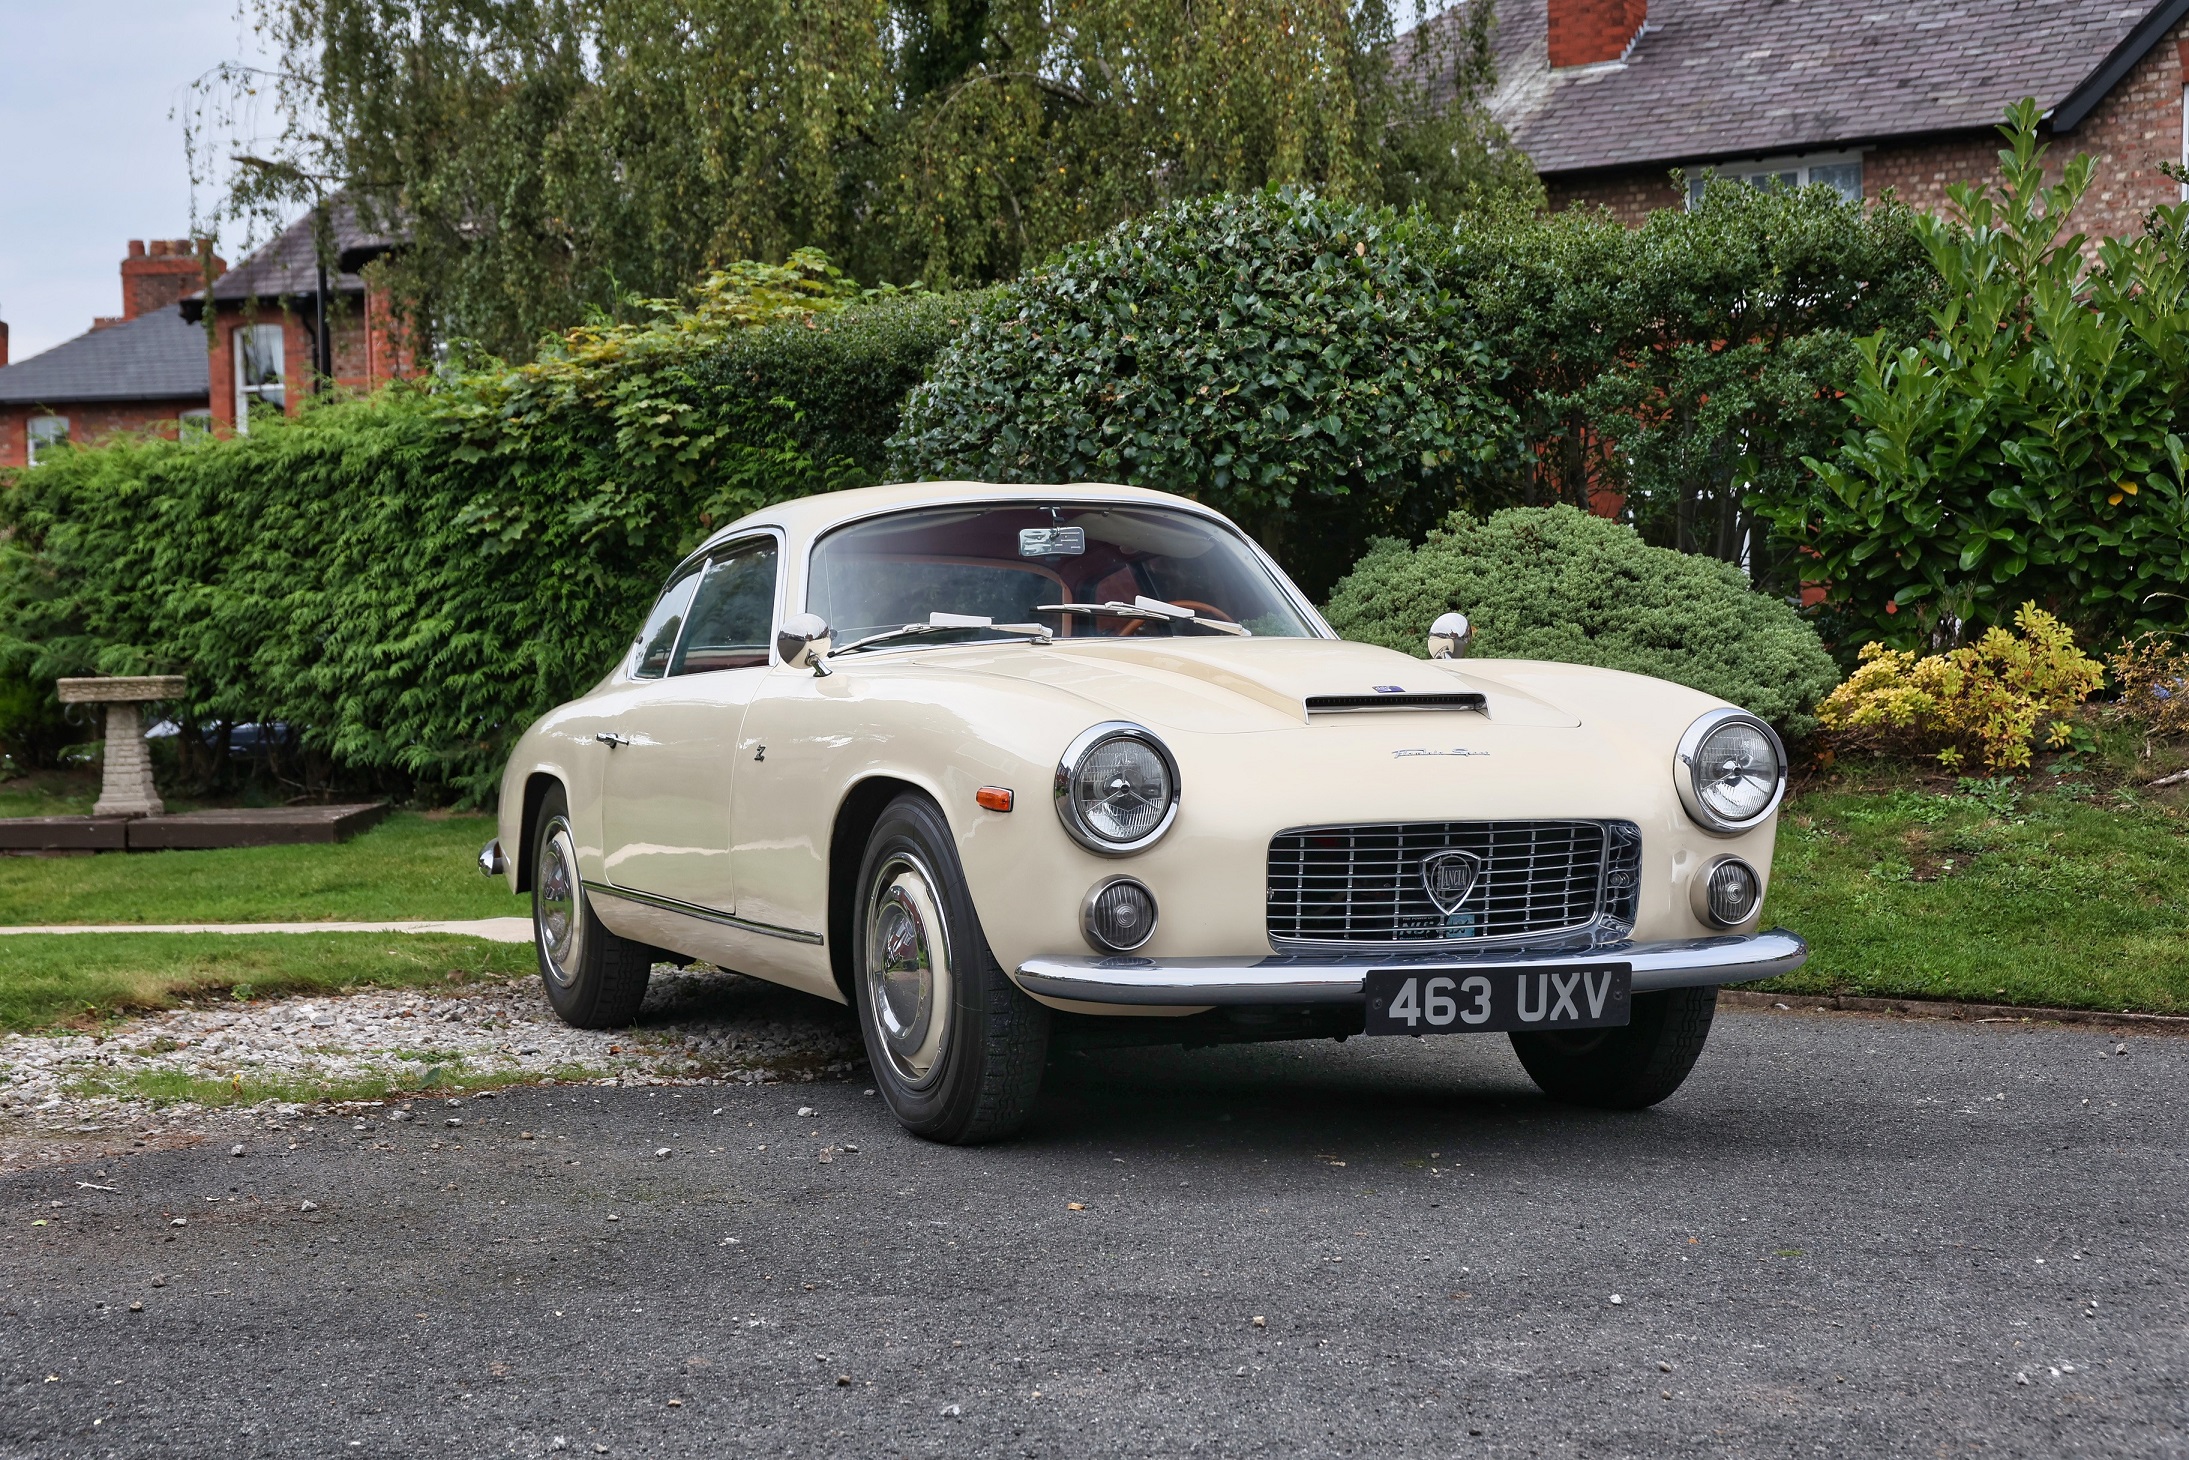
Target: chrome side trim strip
(704, 914)
(1680, 963)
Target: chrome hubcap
(558, 906)
(907, 967)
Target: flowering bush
(2151, 677)
(1992, 698)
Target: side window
(656, 641)
(733, 614)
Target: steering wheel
(1209, 610)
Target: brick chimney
(3, 343)
(1585, 32)
(156, 275)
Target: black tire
(974, 1076)
(594, 979)
(1623, 1069)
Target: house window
(195, 426)
(259, 383)
(47, 433)
(1839, 171)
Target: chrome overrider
(1316, 979)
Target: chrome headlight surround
(1067, 805)
(1687, 772)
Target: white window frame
(275, 395)
(196, 425)
(2185, 139)
(32, 440)
(1801, 165)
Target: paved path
(495, 930)
(1846, 1236)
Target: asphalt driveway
(1845, 1236)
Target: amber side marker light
(995, 798)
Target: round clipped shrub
(1288, 360)
(1557, 583)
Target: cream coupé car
(992, 763)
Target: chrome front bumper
(1308, 979)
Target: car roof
(806, 518)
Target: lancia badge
(1449, 877)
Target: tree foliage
(409, 579)
(1288, 360)
(1556, 583)
(2029, 447)
(550, 157)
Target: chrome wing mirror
(1451, 636)
(803, 642)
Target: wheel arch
(536, 787)
(855, 817)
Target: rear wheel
(594, 979)
(1627, 1068)
(957, 1049)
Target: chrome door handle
(610, 739)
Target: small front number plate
(1455, 1001)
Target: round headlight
(1117, 788)
(1731, 771)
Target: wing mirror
(1451, 636)
(802, 642)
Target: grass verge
(412, 865)
(2045, 891)
(52, 978)
(169, 1087)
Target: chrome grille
(1364, 885)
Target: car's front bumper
(1310, 979)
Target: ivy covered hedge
(409, 580)
(1557, 583)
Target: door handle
(610, 739)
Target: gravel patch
(352, 1051)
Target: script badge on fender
(1494, 1000)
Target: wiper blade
(1144, 607)
(943, 623)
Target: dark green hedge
(409, 580)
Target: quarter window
(732, 613)
(657, 640)
(47, 433)
(260, 384)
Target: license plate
(1455, 1001)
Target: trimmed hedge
(409, 580)
(1556, 583)
(1290, 361)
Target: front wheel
(594, 979)
(956, 1048)
(1628, 1068)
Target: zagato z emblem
(1449, 877)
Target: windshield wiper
(943, 623)
(1152, 608)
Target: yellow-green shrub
(1991, 698)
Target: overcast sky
(91, 148)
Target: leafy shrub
(1290, 361)
(2151, 684)
(1990, 699)
(410, 579)
(2028, 449)
(1556, 583)
(1685, 368)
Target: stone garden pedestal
(126, 789)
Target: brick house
(143, 369)
(267, 342)
(1607, 97)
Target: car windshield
(1079, 570)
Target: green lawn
(2038, 891)
(410, 866)
(49, 978)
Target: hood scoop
(1369, 704)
